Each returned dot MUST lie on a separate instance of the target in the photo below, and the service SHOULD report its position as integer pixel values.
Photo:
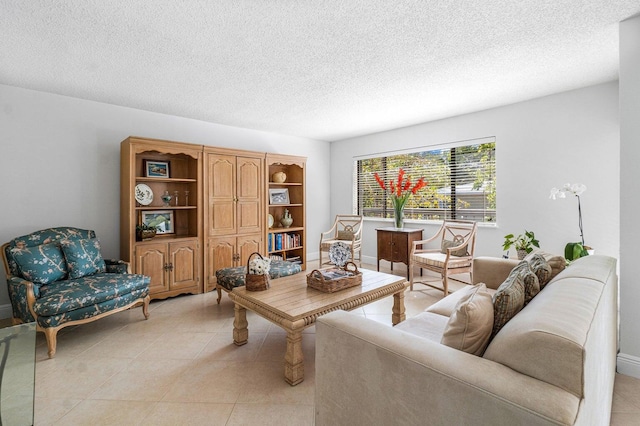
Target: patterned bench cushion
(66, 296)
(229, 278)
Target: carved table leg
(293, 359)
(240, 331)
(398, 308)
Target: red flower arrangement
(400, 191)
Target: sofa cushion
(42, 264)
(508, 300)
(447, 305)
(541, 268)
(557, 263)
(426, 325)
(469, 327)
(83, 257)
(69, 295)
(448, 244)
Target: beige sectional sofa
(551, 364)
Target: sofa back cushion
(546, 339)
(41, 264)
(37, 238)
(83, 257)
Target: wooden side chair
(457, 239)
(346, 229)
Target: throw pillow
(471, 323)
(345, 235)
(541, 268)
(507, 301)
(557, 263)
(529, 280)
(447, 244)
(83, 257)
(42, 264)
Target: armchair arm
(492, 270)
(115, 266)
(330, 234)
(23, 295)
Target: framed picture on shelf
(161, 219)
(278, 196)
(158, 169)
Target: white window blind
(461, 182)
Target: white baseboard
(5, 311)
(628, 365)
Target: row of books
(283, 241)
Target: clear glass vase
(398, 215)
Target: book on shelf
(275, 257)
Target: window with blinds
(461, 183)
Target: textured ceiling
(323, 69)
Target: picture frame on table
(156, 169)
(161, 219)
(279, 196)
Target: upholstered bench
(230, 278)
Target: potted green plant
(145, 232)
(524, 243)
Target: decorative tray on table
(335, 279)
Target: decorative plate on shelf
(143, 194)
(271, 220)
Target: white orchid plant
(572, 250)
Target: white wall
(629, 358)
(542, 143)
(60, 163)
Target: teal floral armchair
(57, 278)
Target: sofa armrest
(492, 270)
(23, 294)
(115, 266)
(367, 373)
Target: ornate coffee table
(290, 304)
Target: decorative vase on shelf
(166, 198)
(286, 219)
(279, 177)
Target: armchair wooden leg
(445, 284)
(410, 276)
(219, 294)
(50, 334)
(145, 306)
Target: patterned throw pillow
(541, 268)
(557, 263)
(470, 325)
(508, 300)
(42, 264)
(447, 244)
(83, 257)
(529, 280)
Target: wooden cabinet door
(399, 247)
(221, 179)
(248, 191)
(151, 260)
(385, 245)
(184, 264)
(247, 245)
(220, 254)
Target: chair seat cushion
(438, 259)
(69, 295)
(326, 244)
(229, 278)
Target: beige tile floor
(181, 367)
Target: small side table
(395, 244)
